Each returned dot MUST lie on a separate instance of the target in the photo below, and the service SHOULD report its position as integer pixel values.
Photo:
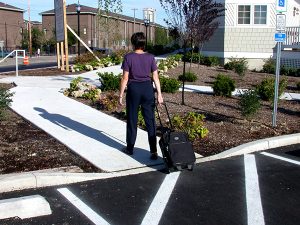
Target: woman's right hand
(160, 99)
(121, 101)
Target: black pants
(140, 94)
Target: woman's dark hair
(138, 40)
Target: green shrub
(266, 88)
(189, 77)
(5, 100)
(195, 57)
(249, 103)
(210, 61)
(169, 85)
(87, 58)
(176, 57)
(298, 85)
(223, 85)
(192, 123)
(74, 84)
(239, 66)
(269, 66)
(229, 66)
(109, 81)
(110, 102)
(92, 94)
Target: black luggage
(176, 149)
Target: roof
(10, 7)
(71, 9)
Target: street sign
(280, 37)
(59, 20)
(281, 5)
(280, 22)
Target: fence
(292, 37)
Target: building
(11, 26)
(247, 31)
(112, 31)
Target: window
(260, 14)
(244, 14)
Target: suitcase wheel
(179, 168)
(190, 167)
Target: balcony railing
(292, 37)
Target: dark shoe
(154, 156)
(127, 151)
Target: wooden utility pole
(29, 30)
(66, 38)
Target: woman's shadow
(141, 155)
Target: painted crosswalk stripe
(82, 207)
(254, 207)
(160, 200)
(281, 158)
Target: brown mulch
(39, 72)
(24, 147)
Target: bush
(92, 94)
(169, 85)
(223, 85)
(5, 100)
(195, 57)
(266, 88)
(110, 102)
(189, 77)
(87, 58)
(269, 66)
(109, 81)
(240, 66)
(192, 124)
(74, 84)
(210, 61)
(249, 103)
(298, 85)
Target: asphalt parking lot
(253, 189)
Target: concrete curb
(259, 145)
(39, 179)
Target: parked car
(105, 51)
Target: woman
(137, 68)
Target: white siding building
(247, 31)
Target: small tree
(191, 18)
(108, 25)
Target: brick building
(11, 26)
(113, 31)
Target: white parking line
(281, 158)
(254, 207)
(160, 200)
(82, 207)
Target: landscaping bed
(24, 147)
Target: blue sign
(281, 3)
(280, 37)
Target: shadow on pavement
(140, 155)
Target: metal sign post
(280, 37)
(278, 55)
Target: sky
(38, 6)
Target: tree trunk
(183, 74)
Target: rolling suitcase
(176, 149)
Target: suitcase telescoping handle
(171, 126)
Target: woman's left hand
(121, 101)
